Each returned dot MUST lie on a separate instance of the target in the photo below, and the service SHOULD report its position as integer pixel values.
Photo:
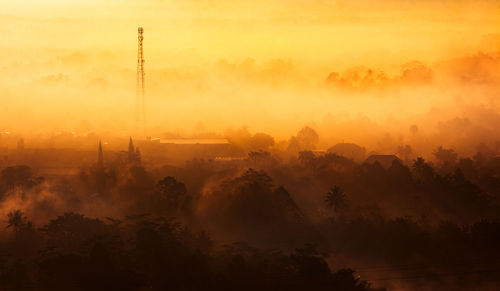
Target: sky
(212, 65)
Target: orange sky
(217, 64)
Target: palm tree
(336, 199)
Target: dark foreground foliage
(73, 252)
(256, 224)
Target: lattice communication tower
(140, 108)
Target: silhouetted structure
(349, 150)
(100, 158)
(384, 160)
(131, 151)
(140, 110)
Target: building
(384, 160)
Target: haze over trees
(344, 145)
(285, 218)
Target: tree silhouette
(447, 157)
(310, 262)
(423, 171)
(336, 199)
(260, 141)
(307, 138)
(69, 231)
(17, 220)
(17, 176)
(306, 158)
(171, 193)
(261, 159)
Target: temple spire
(131, 152)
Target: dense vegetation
(265, 223)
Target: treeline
(432, 218)
(144, 252)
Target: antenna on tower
(140, 105)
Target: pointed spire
(131, 152)
(130, 146)
(100, 157)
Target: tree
(423, 171)
(251, 206)
(68, 232)
(260, 141)
(306, 158)
(468, 168)
(404, 152)
(307, 138)
(416, 73)
(17, 220)
(173, 194)
(136, 180)
(310, 262)
(336, 199)
(261, 159)
(17, 176)
(447, 157)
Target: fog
(321, 145)
(70, 66)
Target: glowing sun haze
(70, 65)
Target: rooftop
(191, 140)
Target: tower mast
(140, 108)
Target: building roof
(384, 160)
(192, 141)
